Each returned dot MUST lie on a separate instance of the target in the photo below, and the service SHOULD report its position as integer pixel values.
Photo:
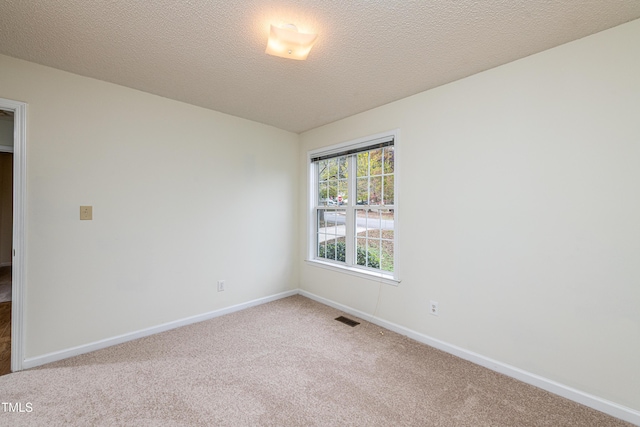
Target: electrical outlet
(433, 308)
(220, 285)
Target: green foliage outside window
(339, 251)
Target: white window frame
(392, 278)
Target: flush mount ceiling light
(287, 42)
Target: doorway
(6, 236)
(13, 141)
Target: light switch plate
(86, 212)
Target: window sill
(389, 280)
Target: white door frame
(19, 196)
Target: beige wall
(519, 210)
(182, 196)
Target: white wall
(519, 214)
(182, 196)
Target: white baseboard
(98, 345)
(586, 399)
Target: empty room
(324, 213)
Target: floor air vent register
(346, 321)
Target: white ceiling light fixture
(287, 42)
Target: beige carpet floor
(286, 363)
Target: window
(353, 207)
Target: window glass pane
(372, 223)
(388, 192)
(375, 162)
(331, 249)
(323, 172)
(361, 251)
(387, 221)
(328, 182)
(373, 253)
(323, 191)
(322, 247)
(363, 255)
(332, 192)
(343, 167)
(332, 168)
(321, 222)
(363, 191)
(330, 220)
(374, 238)
(363, 164)
(388, 233)
(330, 233)
(387, 226)
(386, 261)
(389, 159)
(343, 191)
(375, 190)
(361, 221)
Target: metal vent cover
(347, 321)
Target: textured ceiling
(368, 53)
